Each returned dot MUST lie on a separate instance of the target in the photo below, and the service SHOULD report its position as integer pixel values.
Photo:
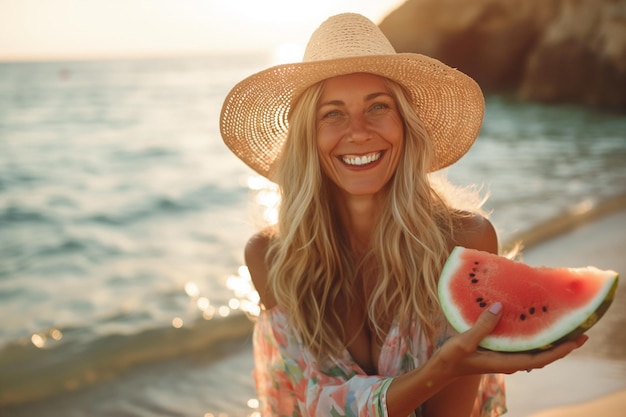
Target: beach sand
(592, 380)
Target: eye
(379, 107)
(331, 114)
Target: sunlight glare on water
(267, 199)
(243, 289)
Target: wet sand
(593, 379)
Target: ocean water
(123, 218)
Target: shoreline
(582, 214)
(592, 378)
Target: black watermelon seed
(479, 299)
(544, 308)
(472, 275)
(522, 317)
(483, 304)
(476, 262)
(532, 310)
(474, 281)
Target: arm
(447, 384)
(458, 397)
(458, 359)
(255, 256)
(340, 390)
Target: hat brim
(254, 123)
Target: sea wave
(35, 369)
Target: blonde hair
(311, 264)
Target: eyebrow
(368, 97)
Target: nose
(359, 130)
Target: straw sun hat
(254, 118)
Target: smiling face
(359, 133)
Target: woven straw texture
(254, 116)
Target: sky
(66, 29)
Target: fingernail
(496, 308)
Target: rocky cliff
(544, 50)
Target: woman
(351, 324)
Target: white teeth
(361, 160)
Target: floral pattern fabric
(292, 383)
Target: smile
(361, 160)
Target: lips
(361, 160)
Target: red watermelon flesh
(541, 306)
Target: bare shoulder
(476, 232)
(256, 260)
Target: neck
(358, 215)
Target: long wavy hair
(312, 269)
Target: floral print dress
(291, 383)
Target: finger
(487, 321)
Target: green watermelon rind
(567, 328)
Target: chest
(361, 340)
(360, 336)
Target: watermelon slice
(541, 306)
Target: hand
(461, 356)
